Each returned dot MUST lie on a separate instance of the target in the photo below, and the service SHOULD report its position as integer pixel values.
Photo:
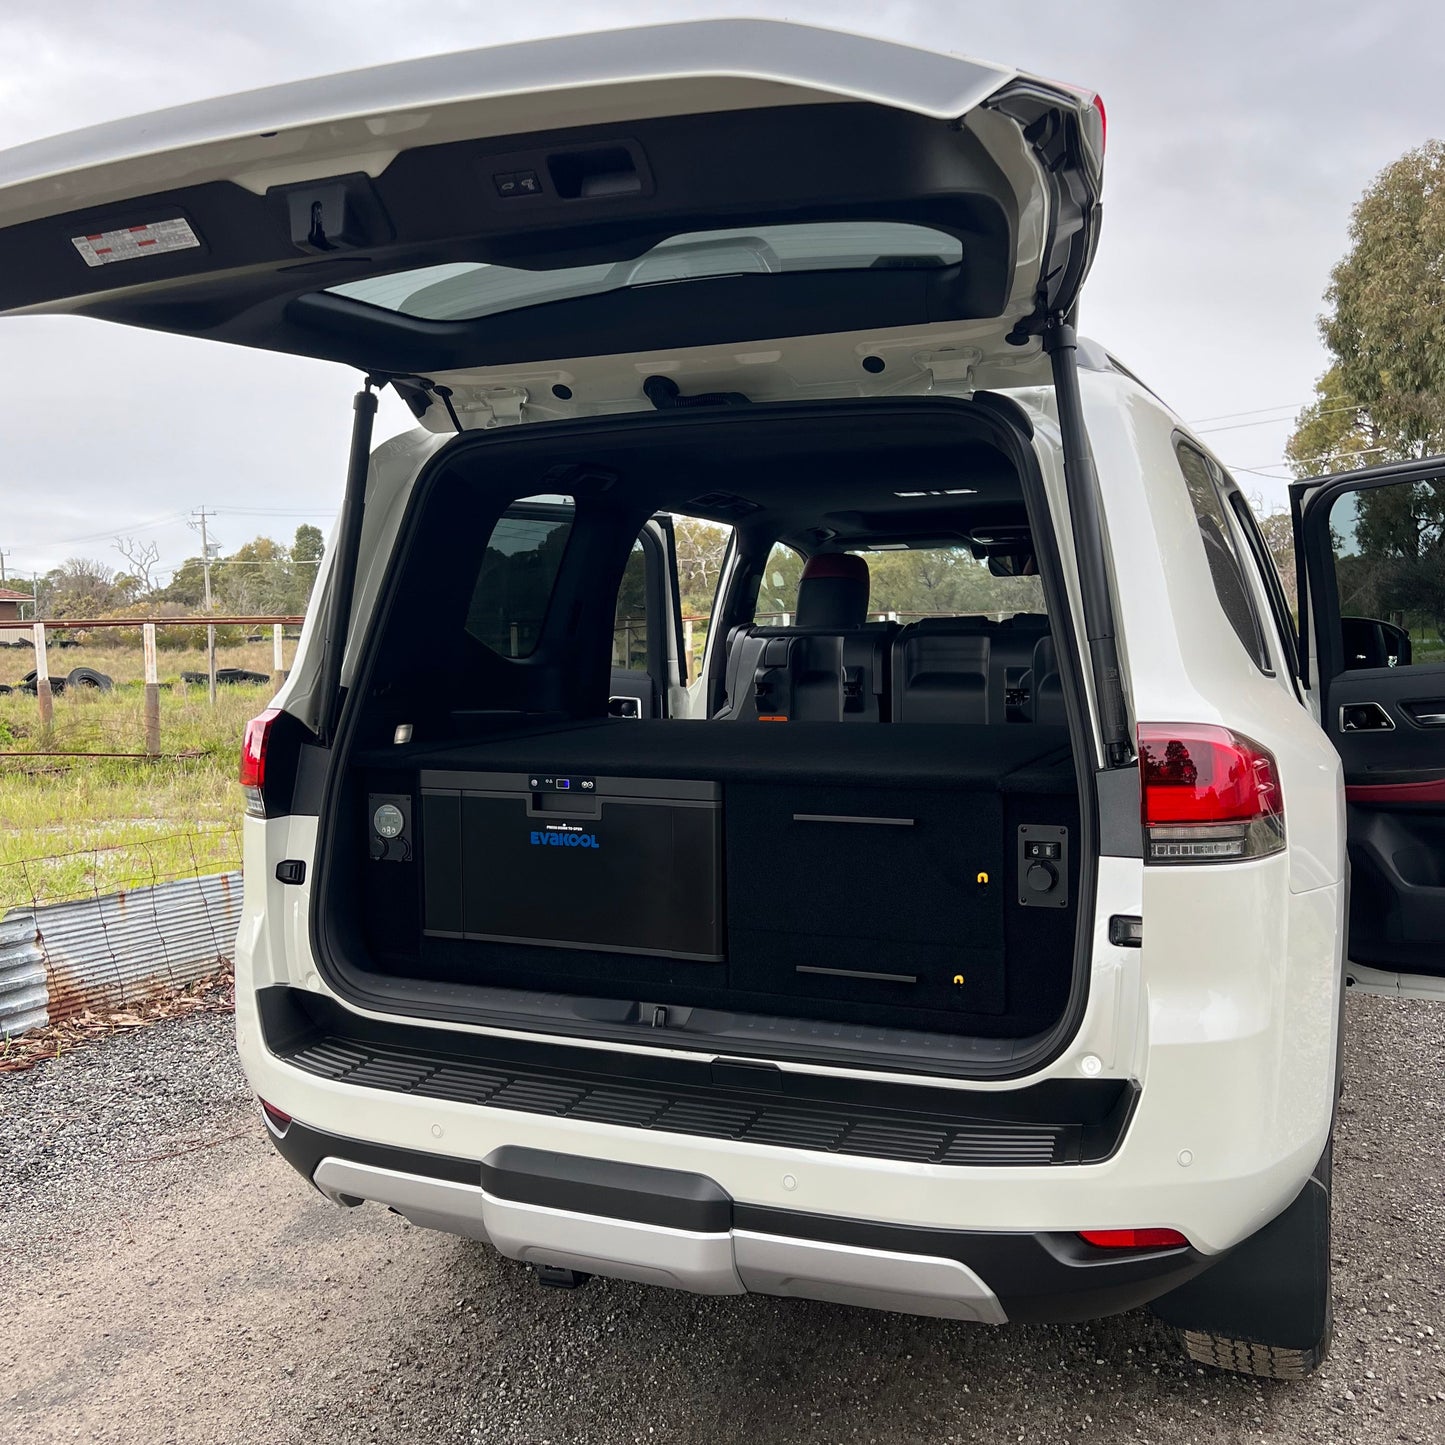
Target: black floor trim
(1057, 1122)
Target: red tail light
(1133, 1238)
(1207, 794)
(253, 760)
(278, 1119)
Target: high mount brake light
(1134, 1238)
(253, 761)
(1208, 795)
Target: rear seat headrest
(833, 591)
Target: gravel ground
(166, 1277)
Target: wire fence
(111, 927)
(120, 890)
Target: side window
(701, 547)
(778, 589)
(1271, 580)
(629, 628)
(1389, 551)
(1224, 565)
(519, 570)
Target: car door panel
(1372, 551)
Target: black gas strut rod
(348, 545)
(1081, 481)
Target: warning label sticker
(133, 242)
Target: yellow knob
(958, 978)
(983, 877)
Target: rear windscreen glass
(467, 290)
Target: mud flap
(1274, 1287)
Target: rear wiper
(665, 395)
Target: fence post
(211, 659)
(43, 694)
(278, 656)
(153, 691)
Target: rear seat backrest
(941, 671)
(831, 667)
(966, 669)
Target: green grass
(72, 827)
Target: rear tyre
(1268, 1362)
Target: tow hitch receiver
(553, 1276)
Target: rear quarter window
(508, 607)
(1225, 566)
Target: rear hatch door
(684, 185)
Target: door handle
(1429, 713)
(1365, 717)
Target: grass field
(72, 826)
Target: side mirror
(1373, 642)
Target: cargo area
(853, 835)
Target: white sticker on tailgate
(133, 242)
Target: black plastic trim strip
(669, 1198)
(1057, 1122)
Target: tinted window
(465, 290)
(629, 627)
(1224, 564)
(778, 587)
(1389, 546)
(1269, 575)
(516, 578)
(701, 547)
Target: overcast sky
(1240, 134)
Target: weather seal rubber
(1081, 481)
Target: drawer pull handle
(847, 818)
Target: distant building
(10, 604)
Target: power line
(1260, 411)
(110, 531)
(1272, 420)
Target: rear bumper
(680, 1230)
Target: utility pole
(199, 522)
(3, 556)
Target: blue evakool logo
(565, 840)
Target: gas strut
(348, 544)
(1081, 481)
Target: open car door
(1371, 556)
(648, 662)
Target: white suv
(962, 930)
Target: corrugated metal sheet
(24, 997)
(122, 947)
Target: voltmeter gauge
(388, 821)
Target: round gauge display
(387, 821)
